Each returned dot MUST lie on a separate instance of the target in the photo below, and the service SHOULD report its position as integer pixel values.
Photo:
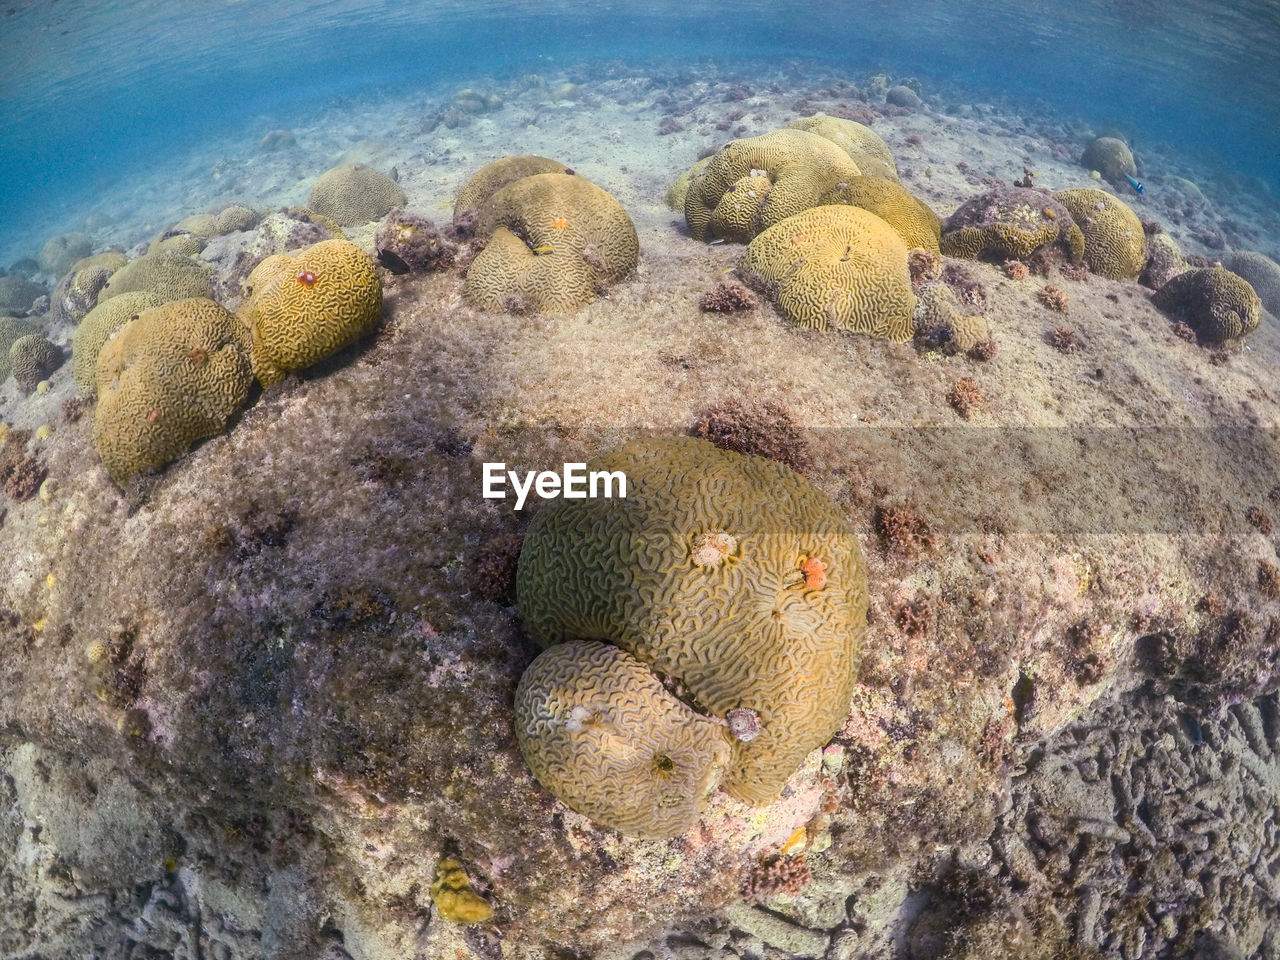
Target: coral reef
(1213, 301)
(727, 296)
(302, 308)
(555, 242)
(33, 358)
(492, 177)
(11, 330)
(1112, 158)
(860, 142)
(77, 293)
(96, 329)
(774, 876)
(941, 323)
(60, 252)
(174, 375)
(679, 189)
(354, 193)
(168, 274)
(1064, 339)
(717, 584)
(836, 267)
(918, 226)
(17, 294)
(1010, 223)
(415, 241)
(1261, 271)
(1164, 261)
(753, 184)
(1114, 241)
(903, 96)
(452, 894)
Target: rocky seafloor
(247, 705)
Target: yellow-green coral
(800, 166)
(452, 894)
(1111, 157)
(943, 321)
(303, 307)
(354, 193)
(1114, 243)
(887, 199)
(836, 267)
(169, 378)
(187, 244)
(1213, 301)
(492, 177)
(610, 741)
(555, 241)
(97, 327)
(1011, 223)
(168, 274)
(679, 189)
(11, 330)
(730, 575)
(230, 218)
(60, 252)
(859, 141)
(17, 294)
(32, 358)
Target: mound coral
(1261, 271)
(750, 185)
(1111, 157)
(17, 294)
(1114, 242)
(230, 218)
(1216, 303)
(96, 329)
(903, 96)
(60, 252)
(169, 275)
(32, 358)
(1011, 223)
(78, 291)
(836, 267)
(354, 193)
(492, 177)
(918, 226)
(11, 330)
(679, 188)
(174, 375)
(696, 577)
(860, 142)
(554, 242)
(303, 307)
(942, 323)
(1164, 261)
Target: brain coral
(11, 330)
(1261, 271)
(859, 141)
(915, 222)
(60, 252)
(306, 306)
(32, 358)
(800, 168)
(168, 274)
(96, 329)
(78, 291)
(1111, 157)
(1213, 301)
(492, 177)
(944, 323)
(1010, 223)
(174, 375)
(728, 575)
(1115, 245)
(836, 266)
(554, 242)
(17, 294)
(354, 193)
(602, 732)
(679, 189)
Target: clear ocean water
(92, 90)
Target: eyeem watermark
(573, 482)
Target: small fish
(545, 248)
(1137, 186)
(395, 174)
(393, 262)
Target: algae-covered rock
(170, 377)
(96, 329)
(1114, 242)
(763, 180)
(942, 321)
(887, 199)
(836, 267)
(727, 574)
(304, 307)
(354, 193)
(1011, 223)
(1164, 261)
(555, 241)
(859, 141)
(1216, 303)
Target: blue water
(92, 91)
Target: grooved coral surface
(168, 274)
(887, 199)
(698, 573)
(77, 293)
(679, 188)
(1011, 223)
(600, 731)
(354, 193)
(97, 327)
(1261, 271)
(11, 330)
(1115, 245)
(174, 375)
(32, 358)
(17, 294)
(492, 177)
(555, 241)
(801, 168)
(60, 252)
(1213, 301)
(304, 307)
(836, 267)
(1111, 157)
(859, 141)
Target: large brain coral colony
(701, 632)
